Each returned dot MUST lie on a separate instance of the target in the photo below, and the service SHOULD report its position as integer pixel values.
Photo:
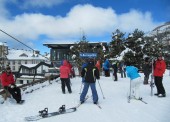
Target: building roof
(16, 54)
(67, 45)
(2, 43)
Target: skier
(147, 69)
(71, 69)
(8, 82)
(159, 69)
(98, 65)
(115, 69)
(84, 65)
(132, 73)
(64, 76)
(106, 66)
(90, 73)
(122, 69)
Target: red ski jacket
(159, 68)
(7, 79)
(98, 65)
(64, 70)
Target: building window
(13, 68)
(19, 62)
(8, 63)
(13, 62)
(25, 62)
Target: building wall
(57, 55)
(15, 64)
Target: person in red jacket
(98, 66)
(71, 69)
(159, 69)
(64, 76)
(8, 82)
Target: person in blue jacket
(106, 68)
(132, 73)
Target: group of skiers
(157, 67)
(91, 72)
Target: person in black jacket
(90, 73)
(115, 69)
(147, 69)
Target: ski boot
(44, 112)
(62, 109)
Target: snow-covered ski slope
(115, 107)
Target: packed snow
(115, 107)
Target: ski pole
(130, 92)
(101, 90)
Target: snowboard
(44, 113)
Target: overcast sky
(35, 22)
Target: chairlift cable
(20, 42)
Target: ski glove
(12, 86)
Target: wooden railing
(24, 86)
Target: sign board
(88, 55)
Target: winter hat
(8, 68)
(91, 61)
(159, 55)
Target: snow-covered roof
(70, 43)
(17, 54)
(2, 43)
(29, 65)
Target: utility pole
(3, 58)
(3, 55)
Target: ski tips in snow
(134, 98)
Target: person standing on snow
(64, 76)
(159, 69)
(147, 69)
(90, 73)
(115, 69)
(122, 69)
(8, 82)
(98, 65)
(84, 65)
(132, 73)
(106, 68)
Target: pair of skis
(134, 98)
(130, 96)
(86, 100)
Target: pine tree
(116, 45)
(135, 43)
(152, 47)
(83, 46)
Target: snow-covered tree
(116, 45)
(135, 42)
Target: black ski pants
(15, 92)
(65, 82)
(115, 75)
(146, 78)
(159, 85)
